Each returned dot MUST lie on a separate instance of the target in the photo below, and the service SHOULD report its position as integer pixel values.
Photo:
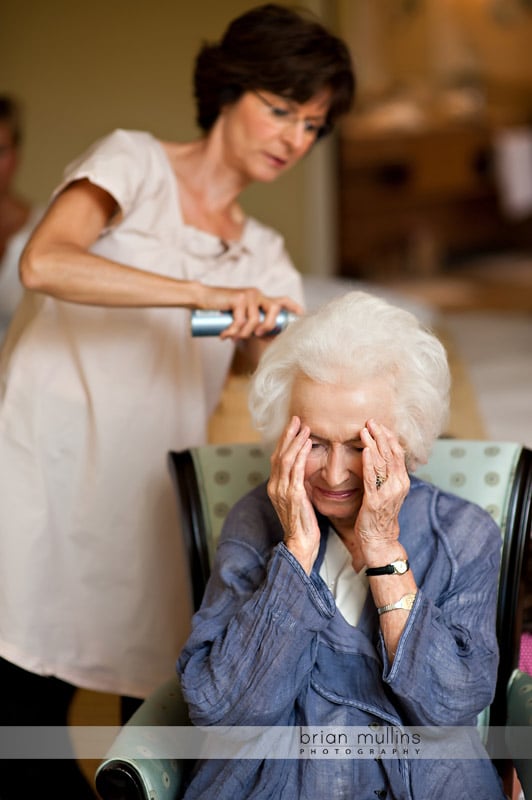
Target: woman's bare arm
(57, 261)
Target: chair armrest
(133, 769)
(519, 728)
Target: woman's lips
(330, 494)
(276, 161)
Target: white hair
(350, 339)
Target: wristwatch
(406, 602)
(398, 567)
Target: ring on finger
(380, 480)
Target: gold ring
(379, 481)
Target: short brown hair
(278, 49)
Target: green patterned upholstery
(210, 479)
(224, 473)
(476, 470)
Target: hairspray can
(212, 323)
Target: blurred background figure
(17, 214)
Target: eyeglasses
(283, 116)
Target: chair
(208, 480)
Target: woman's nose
(294, 134)
(336, 468)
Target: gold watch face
(408, 601)
(400, 567)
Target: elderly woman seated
(346, 592)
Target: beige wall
(85, 67)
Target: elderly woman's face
(336, 415)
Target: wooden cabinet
(409, 201)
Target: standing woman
(100, 377)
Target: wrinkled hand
(383, 460)
(246, 304)
(286, 490)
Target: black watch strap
(398, 567)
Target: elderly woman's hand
(386, 484)
(286, 490)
